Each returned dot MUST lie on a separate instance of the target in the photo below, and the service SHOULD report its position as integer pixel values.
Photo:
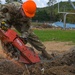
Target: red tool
(10, 37)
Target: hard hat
(29, 8)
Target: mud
(10, 68)
(64, 64)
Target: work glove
(4, 26)
(23, 39)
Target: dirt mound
(69, 57)
(61, 70)
(8, 67)
(63, 65)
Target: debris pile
(64, 65)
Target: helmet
(29, 8)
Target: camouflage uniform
(10, 13)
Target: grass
(56, 35)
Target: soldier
(19, 15)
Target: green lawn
(56, 35)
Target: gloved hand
(4, 26)
(23, 39)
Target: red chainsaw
(15, 47)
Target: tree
(41, 15)
(8, 1)
(0, 1)
(51, 2)
(51, 5)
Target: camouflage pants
(35, 42)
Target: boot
(46, 55)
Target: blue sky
(40, 3)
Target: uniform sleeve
(26, 26)
(4, 15)
(3, 12)
(25, 29)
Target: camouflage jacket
(12, 16)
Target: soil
(63, 62)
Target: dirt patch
(64, 63)
(10, 68)
(58, 46)
(53, 46)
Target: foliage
(51, 2)
(8, 1)
(71, 17)
(47, 14)
(42, 15)
(0, 1)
